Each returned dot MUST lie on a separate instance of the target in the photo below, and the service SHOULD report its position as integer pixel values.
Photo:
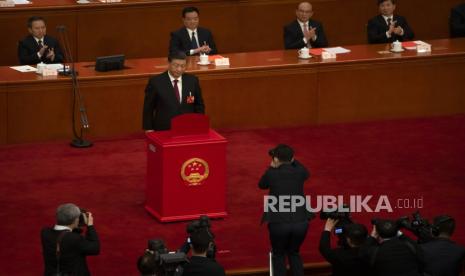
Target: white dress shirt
(179, 85)
(189, 31)
(305, 26)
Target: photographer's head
(200, 242)
(443, 226)
(147, 264)
(387, 228)
(355, 234)
(281, 154)
(68, 215)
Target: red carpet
(422, 158)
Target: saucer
(199, 63)
(82, 2)
(400, 51)
(305, 57)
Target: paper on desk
(337, 50)
(21, 2)
(24, 68)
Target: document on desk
(21, 2)
(24, 68)
(337, 50)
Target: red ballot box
(186, 170)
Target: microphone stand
(78, 141)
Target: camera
(83, 218)
(158, 260)
(343, 218)
(418, 226)
(202, 223)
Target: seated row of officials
(194, 40)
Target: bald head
(304, 11)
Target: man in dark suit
(390, 254)
(457, 21)
(200, 264)
(287, 229)
(387, 27)
(63, 247)
(38, 46)
(345, 261)
(170, 94)
(304, 32)
(443, 257)
(192, 39)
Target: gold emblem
(194, 171)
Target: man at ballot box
(388, 27)
(304, 32)
(170, 94)
(192, 39)
(38, 46)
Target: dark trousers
(286, 239)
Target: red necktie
(176, 89)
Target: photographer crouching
(63, 247)
(344, 259)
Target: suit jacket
(443, 257)
(200, 266)
(293, 35)
(286, 180)
(344, 261)
(28, 48)
(161, 104)
(181, 42)
(457, 21)
(74, 249)
(377, 28)
(399, 256)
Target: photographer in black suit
(63, 247)
(38, 46)
(170, 94)
(390, 253)
(287, 229)
(387, 27)
(345, 261)
(443, 257)
(200, 264)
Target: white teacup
(396, 46)
(304, 53)
(204, 59)
(40, 67)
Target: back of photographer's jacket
(74, 248)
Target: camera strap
(58, 249)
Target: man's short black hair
(387, 228)
(357, 233)
(177, 55)
(146, 264)
(283, 152)
(188, 10)
(200, 240)
(33, 19)
(445, 224)
(382, 1)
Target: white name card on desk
(222, 62)
(337, 50)
(7, 3)
(328, 55)
(423, 47)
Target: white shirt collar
(387, 17)
(173, 78)
(191, 31)
(61, 228)
(37, 39)
(302, 23)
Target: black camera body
(166, 263)
(202, 223)
(418, 226)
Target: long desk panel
(258, 89)
(141, 29)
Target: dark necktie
(389, 20)
(194, 41)
(176, 89)
(40, 44)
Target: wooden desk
(260, 89)
(141, 28)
